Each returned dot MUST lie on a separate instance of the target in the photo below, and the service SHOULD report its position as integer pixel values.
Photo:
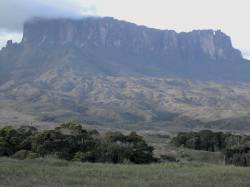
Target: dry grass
(51, 172)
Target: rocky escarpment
(106, 46)
(111, 33)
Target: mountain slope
(124, 100)
(106, 70)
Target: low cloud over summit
(13, 13)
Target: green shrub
(32, 155)
(25, 154)
(204, 140)
(239, 156)
(168, 158)
(89, 156)
(15, 139)
(21, 155)
(5, 148)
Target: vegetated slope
(106, 70)
(126, 100)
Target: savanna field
(53, 172)
(40, 158)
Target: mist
(13, 13)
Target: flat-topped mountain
(103, 69)
(108, 46)
(109, 33)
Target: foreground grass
(51, 172)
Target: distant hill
(107, 70)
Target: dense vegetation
(239, 156)
(204, 140)
(70, 142)
(235, 147)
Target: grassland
(194, 169)
(52, 172)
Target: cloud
(246, 54)
(5, 36)
(13, 13)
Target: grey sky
(231, 16)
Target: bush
(131, 147)
(32, 155)
(25, 154)
(5, 148)
(21, 155)
(239, 156)
(168, 158)
(47, 142)
(89, 156)
(13, 140)
(204, 140)
(236, 148)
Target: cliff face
(106, 46)
(111, 33)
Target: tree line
(70, 141)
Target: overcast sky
(231, 16)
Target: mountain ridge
(103, 69)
